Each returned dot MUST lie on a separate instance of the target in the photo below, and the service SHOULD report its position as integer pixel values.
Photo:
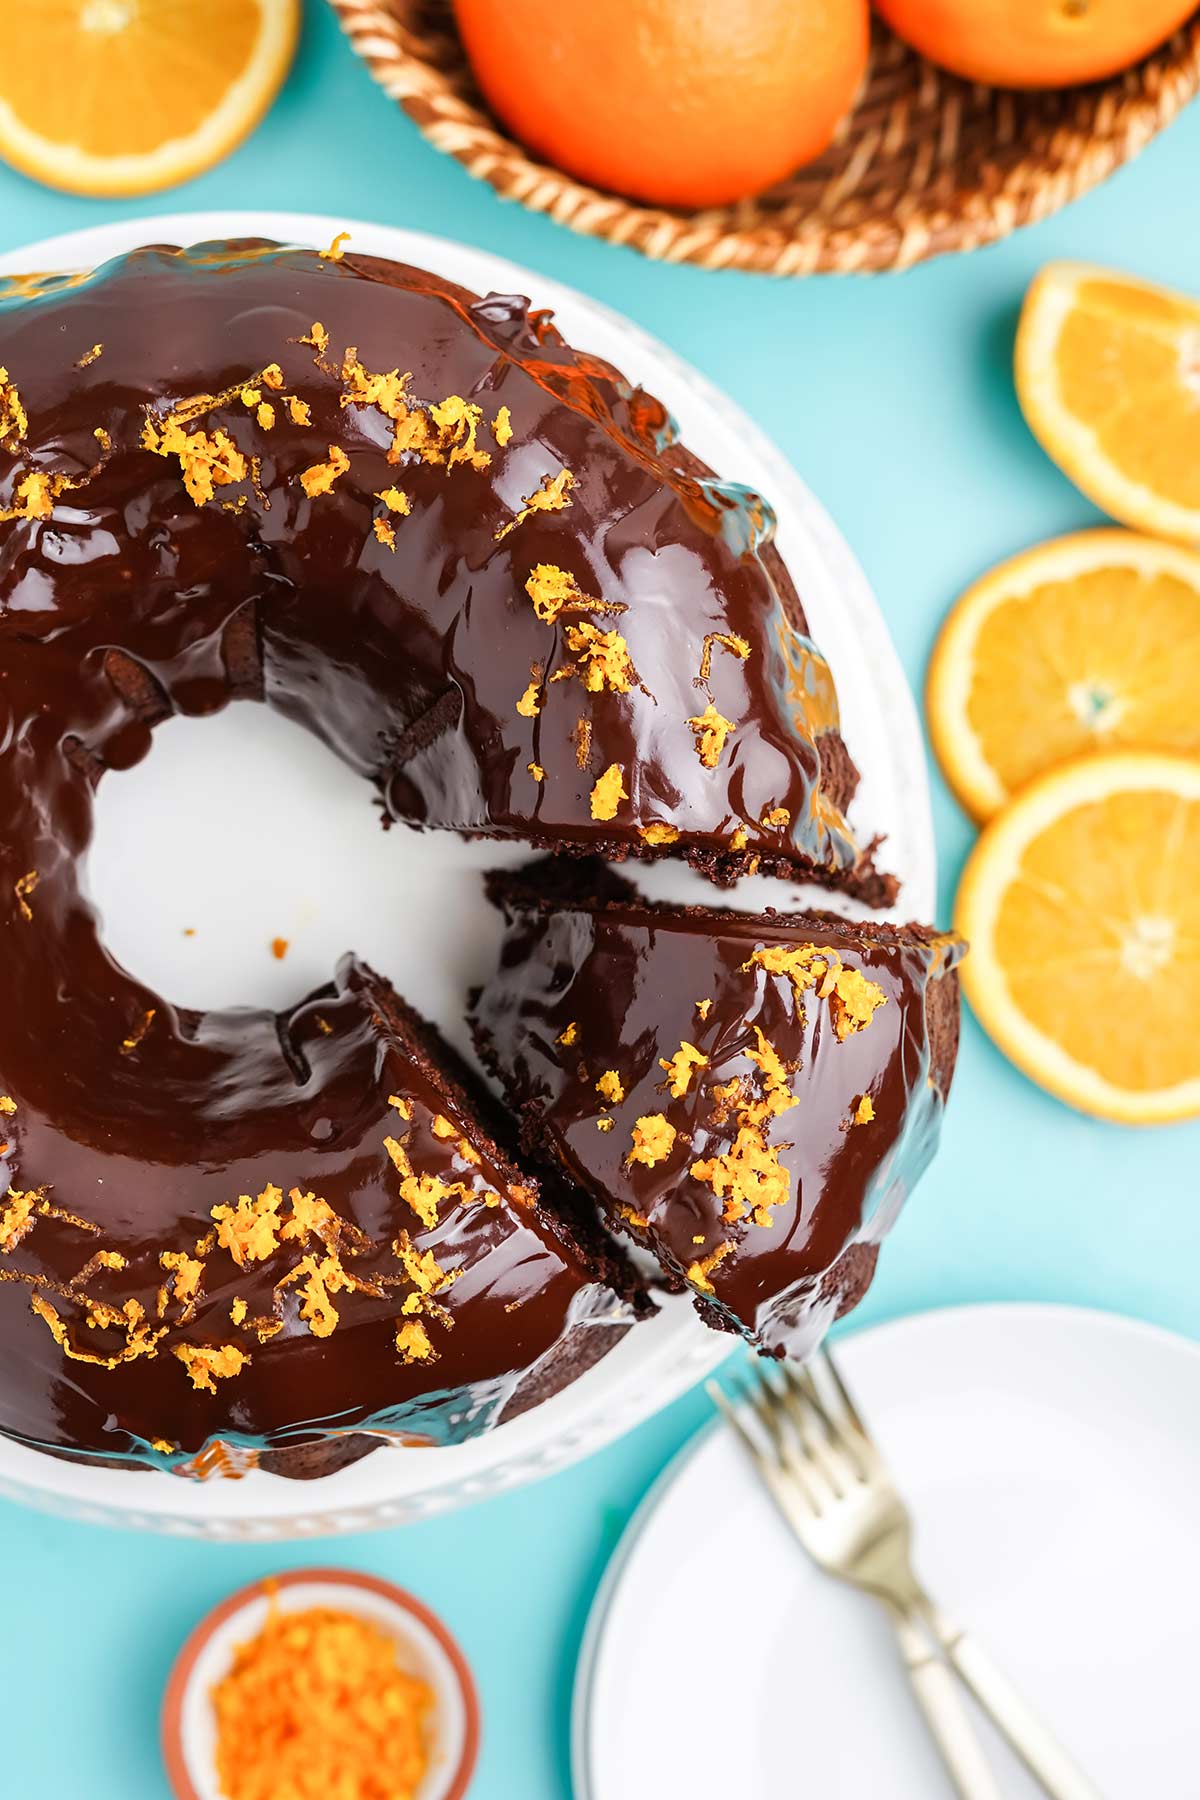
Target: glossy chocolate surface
(134, 1149)
(583, 989)
(408, 660)
(122, 601)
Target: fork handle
(940, 1699)
(1012, 1716)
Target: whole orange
(678, 102)
(1034, 43)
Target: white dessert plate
(213, 834)
(1051, 1458)
(424, 1648)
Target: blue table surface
(893, 397)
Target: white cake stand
(213, 832)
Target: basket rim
(1114, 121)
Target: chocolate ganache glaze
(752, 1096)
(477, 564)
(471, 559)
(374, 1262)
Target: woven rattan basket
(925, 164)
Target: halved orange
(1108, 374)
(1089, 642)
(1081, 901)
(112, 97)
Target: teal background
(894, 399)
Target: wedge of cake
(750, 1096)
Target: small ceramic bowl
(423, 1647)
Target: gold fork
(827, 1477)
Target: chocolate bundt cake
(750, 1095)
(480, 567)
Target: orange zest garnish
(316, 1704)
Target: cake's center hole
(107, 17)
(1095, 705)
(1147, 945)
(242, 830)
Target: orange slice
(1089, 642)
(1082, 904)
(1108, 374)
(128, 96)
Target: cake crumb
(608, 792)
(653, 1138)
(711, 729)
